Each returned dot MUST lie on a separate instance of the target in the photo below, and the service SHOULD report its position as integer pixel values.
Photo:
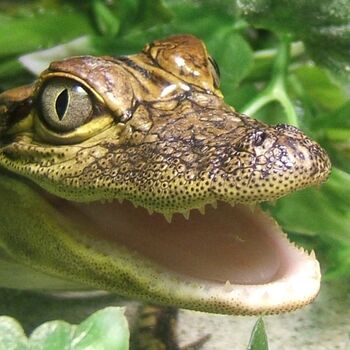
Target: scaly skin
(157, 133)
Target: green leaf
(323, 25)
(20, 35)
(152, 12)
(239, 97)
(258, 338)
(137, 16)
(54, 335)
(333, 130)
(107, 22)
(205, 19)
(337, 260)
(105, 329)
(12, 74)
(185, 10)
(12, 336)
(324, 91)
(338, 119)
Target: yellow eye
(65, 105)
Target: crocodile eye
(65, 105)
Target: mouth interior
(234, 244)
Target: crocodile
(131, 174)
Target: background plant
(281, 61)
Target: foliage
(105, 329)
(323, 26)
(258, 340)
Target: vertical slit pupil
(62, 104)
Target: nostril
(259, 138)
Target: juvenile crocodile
(96, 141)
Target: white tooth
(312, 254)
(201, 210)
(168, 217)
(214, 204)
(186, 214)
(120, 200)
(150, 211)
(228, 287)
(266, 295)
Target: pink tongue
(224, 244)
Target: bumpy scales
(153, 129)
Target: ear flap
(15, 104)
(186, 57)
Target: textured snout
(269, 162)
(306, 158)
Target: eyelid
(48, 76)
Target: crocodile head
(160, 180)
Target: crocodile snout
(269, 162)
(309, 160)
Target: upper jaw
(173, 176)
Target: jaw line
(252, 270)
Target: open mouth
(235, 258)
